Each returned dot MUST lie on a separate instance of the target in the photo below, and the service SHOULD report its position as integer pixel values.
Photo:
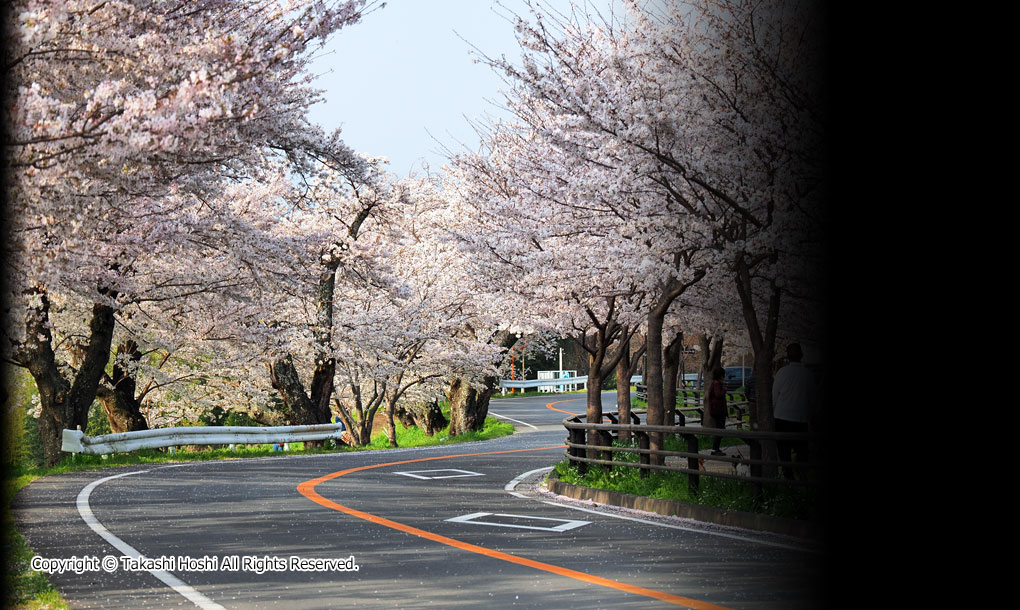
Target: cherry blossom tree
(469, 293)
(120, 117)
(567, 203)
(709, 116)
(340, 203)
(557, 255)
(400, 314)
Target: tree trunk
(624, 370)
(670, 369)
(391, 425)
(65, 404)
(711, 357)
(122, 407)
(428, 417)
(468, 406)
(360, 429)
(654, 373)
(405, 416)
(763, 343)
(123, 412)
(285, 379)
(653, 383)
(600, 364)
(310, 409)
(593, 406)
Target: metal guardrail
(602, 452)
(562, 381)
(538, 383)
(75, 441)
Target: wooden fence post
(606, 440)
(755, 468)
(577, 437)
(643, 443)
(693, 480)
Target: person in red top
(717, 411)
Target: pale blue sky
(406, 71)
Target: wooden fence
(689, 404)
(603, 452)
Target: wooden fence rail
(582, 452)
(689, 403)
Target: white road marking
(461, 473)
(565, 524)
(509, 488)
(516, 421)
(169, 579)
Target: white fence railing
(538, 383)
(75, 441)
(563, 381)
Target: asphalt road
(447, 527)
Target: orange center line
(307, 489)
(550, 406)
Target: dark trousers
(786, 448)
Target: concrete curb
(778, 525)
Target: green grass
(416, 437)
(23, 587)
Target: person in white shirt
(793, 393)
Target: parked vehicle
(737, 377)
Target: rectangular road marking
(564, 524)
(417, 474)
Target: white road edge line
(509, 488)
(517, 421)
(169, 579)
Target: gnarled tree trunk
(302, 408)
(118, 395)
(65, 404)
(469, 406)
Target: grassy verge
(775, 500)
(23, 587)
(27, 589)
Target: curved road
(456, 526)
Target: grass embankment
(778, 501)
(775, 500)
(27, 589)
